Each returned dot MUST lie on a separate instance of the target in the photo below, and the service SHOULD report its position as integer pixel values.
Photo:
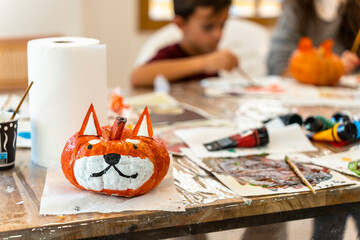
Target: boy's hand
(350, 60)
(219, 60)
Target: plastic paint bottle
(247, 139)
(340, 117)
(317, 123)
(357, 124)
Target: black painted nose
(112, 158)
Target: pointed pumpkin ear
(90, 126)
(143, 126)
(327, 47)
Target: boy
(195, 57)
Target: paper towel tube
(69, 74)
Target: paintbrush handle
(300, 175)
(22, 100)
(246, 75)
(355, 46)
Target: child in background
(318, 20)
(196, 56)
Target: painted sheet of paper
(329, 97)
(165, 110)
(177, 115)
(340, 162)
(287, 90)
(271, 86)
(268, 175)
(289, 139)
(61, 197)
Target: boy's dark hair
(184, 8)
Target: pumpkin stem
(117, 128)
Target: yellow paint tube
(340, 132)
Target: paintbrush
(299, 174)
(250, 80)
(355, 46)
(21, 101)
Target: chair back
(250, 42)
(161, 38)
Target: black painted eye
(90, 146)
(135, 146)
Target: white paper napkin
(60, 197)
(289, 139)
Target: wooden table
(19, 216)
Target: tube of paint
(288, 119)
(340, 132)
(357, 124)
(340, 117)
(250, 138)
(317, 123)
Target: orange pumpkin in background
(115, 160)
(317, 66)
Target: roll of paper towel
(69, 73)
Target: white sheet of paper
(339, 161)
(289, 139)
(275, 124)
(352, 80)
(248, 190)
(24, 131)
(60, 197)
(151, 100)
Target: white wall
(115, 23)
(19, 18)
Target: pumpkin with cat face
(115, 160)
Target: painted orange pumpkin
(317, 66)
(117, 104)
(115, 160)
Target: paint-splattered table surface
(210, 206)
